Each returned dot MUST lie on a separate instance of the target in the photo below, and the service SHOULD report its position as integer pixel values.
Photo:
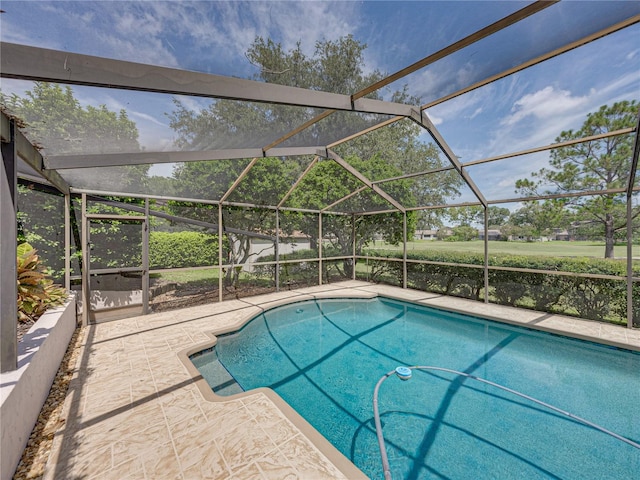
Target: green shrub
(182, 249)
(601, 299)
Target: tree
(328, 182)
(55, 119)
(399, 145)
(535, 219)
(466, 216)
(498, 216)
(475, 215)
(463, 233)
(336, 66)
(590, 166)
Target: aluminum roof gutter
(61, 162)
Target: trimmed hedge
(182, 249)
(602, 299)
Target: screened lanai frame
(37, 64)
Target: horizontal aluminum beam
(108, 271)
(119, 218)
(552, 146)
(378, 212)
(173, 218)
(61, 162)
(551, 196)
(39, 64)
(449, 205)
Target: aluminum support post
(67, 242)
(86, 253)
(353, 249)
(629, 264)
(631, 182)
(320, 248)
(277, 250)
(220, 269)
(145, 259)
(8, 286)
(486, 254)
(404, 249)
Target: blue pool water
(325, 357)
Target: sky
(524, 110)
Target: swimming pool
(324, 358)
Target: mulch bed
(190, 297)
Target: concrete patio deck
(136, 408)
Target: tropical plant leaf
(36, 292)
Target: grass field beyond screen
(552, 249)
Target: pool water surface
(324, 357)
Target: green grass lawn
(552, 249)
(206, 275)
(195, 277)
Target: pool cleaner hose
(404, 373)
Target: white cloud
(194, 104)
(543, 104)
(507, 182)
(434, 118)
(477, 112)
(618, 87)
(146, 117)
(220, 31)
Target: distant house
(492, 234)
(260, 247)
(425, 234)
(560, 234)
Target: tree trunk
(609, 240)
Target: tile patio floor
(136, 408)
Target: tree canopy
(335, 66)
(57, 120)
